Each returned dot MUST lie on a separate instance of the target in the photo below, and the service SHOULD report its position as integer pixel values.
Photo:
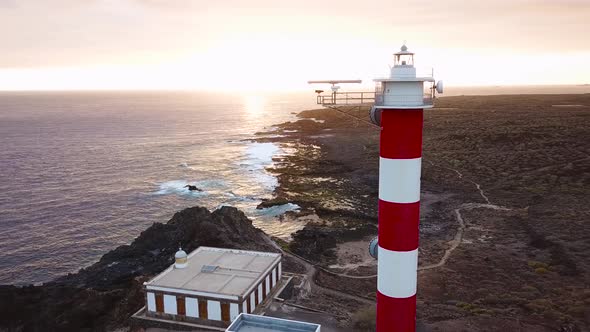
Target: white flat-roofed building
(212, 286)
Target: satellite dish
(439, 86)
(376, 116)
(373, 248)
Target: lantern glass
(404, 60)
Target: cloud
(90, 33)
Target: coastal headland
(504, 225)
(504, 209)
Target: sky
(260, 45)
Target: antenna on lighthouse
(333, 99)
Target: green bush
(536, 265)
(364, 319)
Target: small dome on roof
(180, 253)
(403, 50)
(180, 259)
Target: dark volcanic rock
(105, 294)
(317, 243)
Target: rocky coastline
(103, 296)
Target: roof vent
(209, 268)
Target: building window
(159, 302)
(234, 311)
(252, 302)
(274, 277)
(191, 307)
(170, 304)
(213, 310)
(271, 280)
(151, 301)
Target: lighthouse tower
(399, 104)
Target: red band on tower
(396, 315)
(399, 229)
(401, 133)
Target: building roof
(217, 271)
(254, 323)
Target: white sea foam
(178, 187)
(277, 210)
(261, 153)
(187, 166)
(258, 157)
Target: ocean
(84, 172)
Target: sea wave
(277, 210)
(178, 187)
(187, 166)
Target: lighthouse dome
(180, 259)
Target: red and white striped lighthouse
(399, 103)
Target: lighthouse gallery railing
(356, 98)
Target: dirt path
(312, 269)
(311, 272)
(454, 243)
(458, 239)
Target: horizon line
(268, 90)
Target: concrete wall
(192, 313)
(273, 277)
(403, 93)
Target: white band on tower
(399, 180)
(397, 271)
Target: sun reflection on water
(254, 105)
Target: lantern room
(403, 88)
(403, 57)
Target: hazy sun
(254, 104)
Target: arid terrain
(505, 241)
